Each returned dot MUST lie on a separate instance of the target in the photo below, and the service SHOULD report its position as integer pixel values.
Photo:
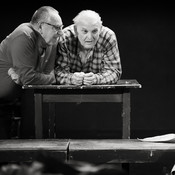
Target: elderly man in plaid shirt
(89, 53)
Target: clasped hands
(81, 78)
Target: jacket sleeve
(24, 53)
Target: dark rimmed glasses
(56, 28)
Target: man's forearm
(30, 76)
(63, 78)
(109, 77)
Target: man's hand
(77, 78)
(89, 79)
(52, 74)
(14, 76)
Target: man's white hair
(87, 13)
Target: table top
(118, 144)
(83, 144)
(125, 83)
(34, 144)
(121, 151)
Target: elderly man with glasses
(27, 55)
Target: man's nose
(89, 35)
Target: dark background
(146, 36)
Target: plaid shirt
(104, 60)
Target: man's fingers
(90, 74)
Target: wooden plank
(120, 151)
(25, 150)
(82, 98)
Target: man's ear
(100, 28)
(40, 28)
(75, 29)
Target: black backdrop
(146, 35)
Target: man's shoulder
(107, 37)
(107, 31)
(69, 31)
(23, 33)
(69, 35)
(24, 29)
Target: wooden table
(97, 151)
(88, 150)
(26, 150)
(119, 92)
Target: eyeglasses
(56, 28)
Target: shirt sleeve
(62, 69)
(25, 59)
(111, 64)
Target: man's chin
(88, 46)
(53, 41)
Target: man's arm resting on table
(31, 77)
(14, 76)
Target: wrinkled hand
(89, 79)
(77, 78)
(14, 76)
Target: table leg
(52, 114)
(38, 116)
(126, 110)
